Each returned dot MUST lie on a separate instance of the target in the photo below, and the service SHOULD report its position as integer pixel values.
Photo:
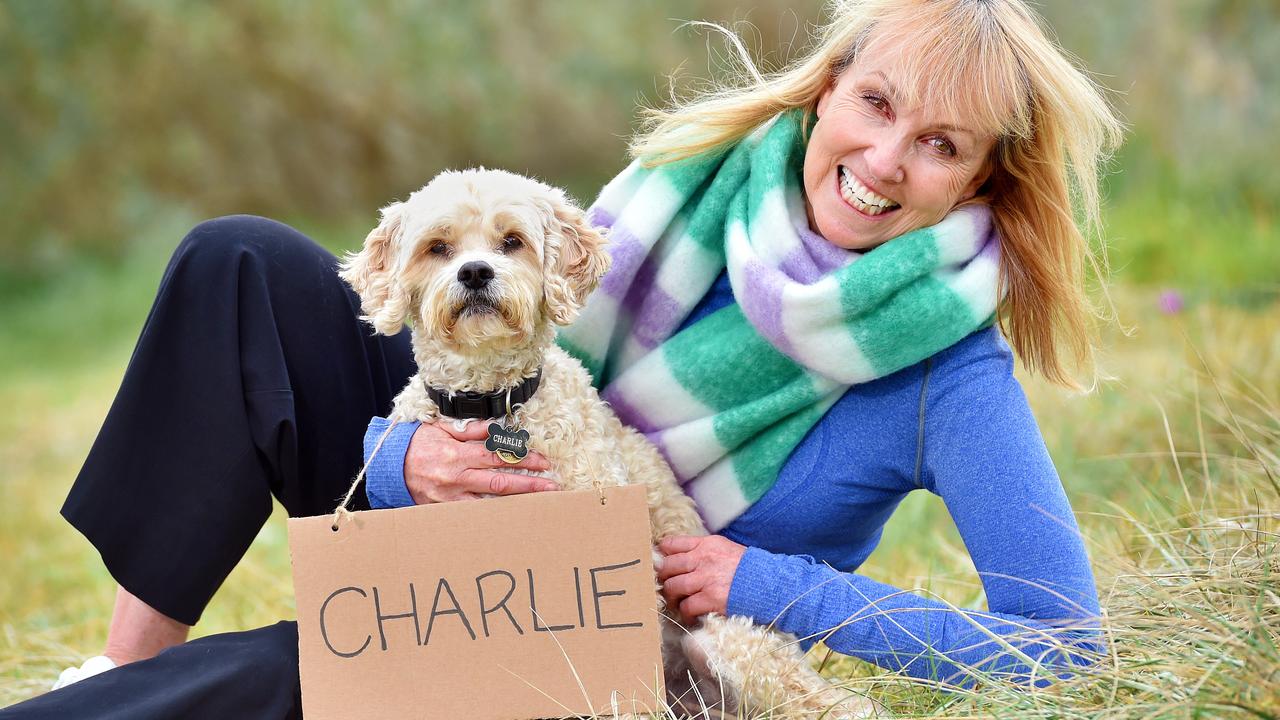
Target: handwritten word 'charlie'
(498, 584)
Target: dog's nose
(475, 274)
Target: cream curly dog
(483, 265)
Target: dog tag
(510, 445)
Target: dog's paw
(713, 688)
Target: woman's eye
(511, 242)
(876, 102)
(943, 146)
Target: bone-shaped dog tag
(510, 445)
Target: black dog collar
(480, 405)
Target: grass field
(1171, 466)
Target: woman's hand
(696, 573)
(444, 464)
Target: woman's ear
(824, 98)
(574, 259)
(833, 80)
(372, 274)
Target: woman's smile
(865, 201)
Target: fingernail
(549, 486)
(460, 424)
(657, 562)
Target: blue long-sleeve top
(957, 425)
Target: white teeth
(861, 196)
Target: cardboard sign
(506, 608)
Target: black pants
(237, 675)
(253, 378)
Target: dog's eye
(511, 242)
(438, 248)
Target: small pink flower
(1170, 302)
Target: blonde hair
(991, 63)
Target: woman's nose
(884, 160)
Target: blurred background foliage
(119, 112)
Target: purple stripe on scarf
(984, 224)
(991, 248)
(986, 237)
(975, 225)
(814, 259)
(655, 313)
(628, 412)
(644, 283)
(990, 233)
(656, 318)
(628, 254)
(762, 303)
(798, 266)
(825, 256)
(601, 218)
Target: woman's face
(876, 168)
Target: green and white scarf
(728, 398)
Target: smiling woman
(914, 179)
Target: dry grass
(1172, 470)
(1189, 590)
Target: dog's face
(478, 259)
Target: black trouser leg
(253, 377)
(251, 674)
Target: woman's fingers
(673, 565)
(500, 483)
(477, 456)
(680, 587)
(447, 461)
(695, 606)
(678, 544)
(676, 570)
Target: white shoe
(91, 667)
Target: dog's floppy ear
(372, 273)
(575, 259)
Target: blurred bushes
(316, 109)
(325, 110)
(1196, 193)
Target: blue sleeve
(384, 480)
(984, 456)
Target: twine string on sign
(595, 480)
(341, 511)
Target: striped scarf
(728, 398)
